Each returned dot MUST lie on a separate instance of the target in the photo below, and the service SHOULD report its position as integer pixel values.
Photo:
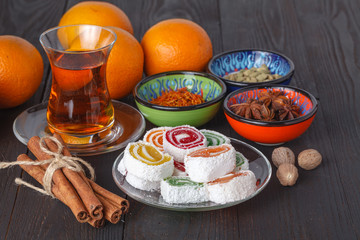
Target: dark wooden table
(321, 37)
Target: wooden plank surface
(27, 20)
(319, 36)
(302, 33)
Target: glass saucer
(32, 122)
(258, 163)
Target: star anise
(288, 112)
(268, 97)
(251, 109)
(266, 113)
(279, 103)
(271, 106)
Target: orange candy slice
(227, 178)
(210, 151)
(155, 136)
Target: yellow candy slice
(148, 154)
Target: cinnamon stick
(38, 173)
(97, 223)
(112, 213)
(34, 171)
(66, 151)
(116, 200)
(83, 188)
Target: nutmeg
(309, 159)
(282, 155)
(287, 174)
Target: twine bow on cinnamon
(57, 161)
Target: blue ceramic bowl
(210, 87)
(235, 60)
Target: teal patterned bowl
(212, 88)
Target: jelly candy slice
(214, 138)
(209, 152)
(241, 162)
(227, 178)
(148, 154)
(155, 136)
(180, 166)
(182, 181)
(185, 137)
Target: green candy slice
(182, 181)
(240, 159)
(214, 138)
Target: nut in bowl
(249, 67)
(284, 122)
(157, 105)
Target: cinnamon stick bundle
(91, 202)
(38, 173)
(59, 179)
(88, 201)
(121, 204)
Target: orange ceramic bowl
(274, 132)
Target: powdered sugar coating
(142, 184)
(146, 171)
(236, 189)
(137, 182)
(187, 193)
(205, 169)
(180, 173)
(121, 168)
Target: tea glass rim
(42, 35)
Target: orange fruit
(21, 70)
(176, 44)
(96, 13)
(72, 80)
(125, 64)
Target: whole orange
(125, 64)
(96, 13)
(21, 70)
(176, 44)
